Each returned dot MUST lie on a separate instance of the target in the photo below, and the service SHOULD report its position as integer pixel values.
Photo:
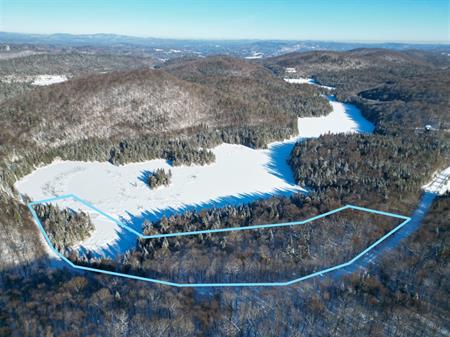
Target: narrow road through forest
(438, 186)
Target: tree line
(186, 147)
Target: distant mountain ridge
(240, 48)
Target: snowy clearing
(239, 175)
(34, 79)
(48, 79)
(440, 183)
(254, 56)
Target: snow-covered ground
(239, 175)
(343, 118)
(254, 56)
(48, 79)
(34, 79)
(440, 184)
(306, 80)
(299, 80)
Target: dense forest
(20, 242)
(251, 83)
(72, 64)
(8, 90)
(69, 64)
(375, 166)
(64, 227)
(409, 103)
(380, 301)
(73, 111)
(263, 255)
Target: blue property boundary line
(221, 230)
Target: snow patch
(308, 81)
(440, 184)
(48, 79)
(300, 80)
(34, 79)
(254, 56)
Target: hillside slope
(17, 73)
(148, 102)
(120, 103)
(251, 83)
(395, 90)
(71, 64)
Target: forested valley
(397, 91)
(402, 293)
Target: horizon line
(402, 42)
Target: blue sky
(341, 20)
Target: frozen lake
(239, 175)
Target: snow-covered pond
(239, 175)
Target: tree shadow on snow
(278, 164)
(127, 240)
(144, 176)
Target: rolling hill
(229, 93)
(395, 90)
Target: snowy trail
(436, 187)
(393, 241)
(239, 175)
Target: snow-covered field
(48, 79)
(34, 79)
(239, 175)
